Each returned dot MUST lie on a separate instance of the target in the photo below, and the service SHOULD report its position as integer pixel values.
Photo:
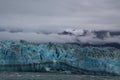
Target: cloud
(42, 20)
(59, 12)
(33, 37)
(88, 37)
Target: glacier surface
(57, 57)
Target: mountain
(92, 36)
(99, 34)
(115, 45)
(57, 57)
(76, 32)
(102, 34)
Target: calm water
(51, 76)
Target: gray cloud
(65, 12)
(44, 19)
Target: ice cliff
(25, 56)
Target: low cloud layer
(71, 35)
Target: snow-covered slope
(77, 32)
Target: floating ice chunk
(47, 68)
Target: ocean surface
(51, 76)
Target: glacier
(56, 57)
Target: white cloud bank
(88, 37)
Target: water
(51, 76)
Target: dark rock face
(24, 56)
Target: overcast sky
(55, 15)
(59, 12)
